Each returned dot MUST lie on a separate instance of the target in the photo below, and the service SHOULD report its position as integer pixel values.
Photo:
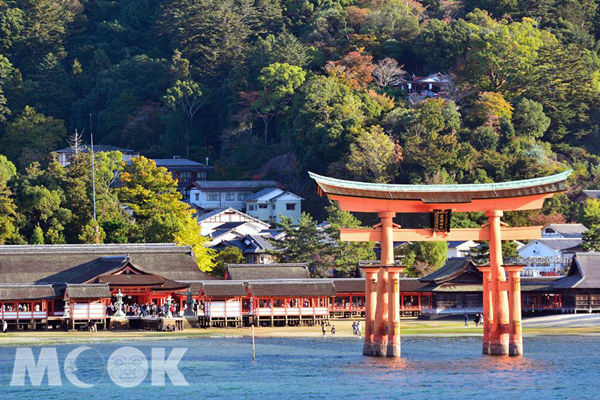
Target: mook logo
(126, 367)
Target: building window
(273, 206)
(262, 206)
(212, 197)
(230, 197)
(243, 196)
(197, 196)
(252, 207)
(185, 175)
(290, 206)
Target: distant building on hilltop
(185, 171)
(65, 155)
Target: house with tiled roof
(564, 231)
(185, 171)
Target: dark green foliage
(245, 82)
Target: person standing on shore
(332, 330)
(358, 329)
(466, 321)
(323, 328)
(4, 326)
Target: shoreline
(410, 328)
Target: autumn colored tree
(354, 70)
(490, 108)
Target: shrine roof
(223, 288)
(88, 291)
(460, 193)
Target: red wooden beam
(427, 235)
(361, 204)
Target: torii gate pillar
(371, 301)
(385, 299)
(499, 328)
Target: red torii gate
(501, 297)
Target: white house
(563, 231)
(272, 203)
(228, 218)
(212, 195)
(549, 255)
(460, 248)
(232, 228)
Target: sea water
(565, 367)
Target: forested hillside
(273, 88)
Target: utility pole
(93, 167)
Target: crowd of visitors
(145, 310)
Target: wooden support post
(487, 310)
(371, 302)
(500, 326)
(515, 345)
(393, 348)
(380, 336)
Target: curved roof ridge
(469, 187)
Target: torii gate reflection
(501, 296)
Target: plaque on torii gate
(502, 313)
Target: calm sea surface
(291, 368)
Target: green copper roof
(471, 187)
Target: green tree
(189, 234)
(345, 256)
(38, 236)
(92, 233)
(211, 33)
(185, 98)
(31, 137)
(229, 255)
(279, 82)
(422, 258)
(8, 215)
(7, 170)
(43, 27)
(50, 89)
(591, 239)
(151, 194)
(497, 47)
(529, 119)
(7, 73)
(374, 157)
(284, 48)
(395, 20)
(441, 45)
(41, 202)
(300, 244)
(591, 212)
(325, 118)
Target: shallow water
(449, 368)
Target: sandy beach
(552, 325)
